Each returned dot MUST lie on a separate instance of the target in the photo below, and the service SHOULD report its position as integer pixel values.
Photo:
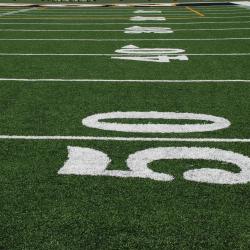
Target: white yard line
(226, 13)
(125, 14)
(124, 39)
(124, 80)
(117, 11)
(121, 30)
(81, 54)
(60, 30)
(101, 15)
(221, 29)
(223, 11)
(191, 17)
(131, 11)
(103, 23)
(16, 12)
(100, 138)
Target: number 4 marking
(160, 55)
(139, 30)
(159, 59)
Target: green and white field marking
(125, 134)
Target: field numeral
(161, 55)
(147, 18)
(213, 122)
(87, 161)
(155, 30)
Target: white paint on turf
(104, 23)
(87, 161)
(148, 11)
(125, 80)
(124, 39)
(127, 139)
(158, 59)
(141, 159)
(217, 176)
(160, 55)
(139, 30)
(135, 18)
(16, 12)
(130, 30)
(148, 18)
(80, 54)
(132, 49)
(95, 121)
(242, 3)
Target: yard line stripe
(123, 15)
(26, 16)
(223, 11)
(124, 80)
(100, 138)
(48, 11)
(102, 23)
(221, 29)
(79, 18)
(124, 39)
(15, 12)
(121, 30)
(81, 54)
(183, 14)
(229, 13)
(64, 30)
(129, 12)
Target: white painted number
(139, 30)
(147, 11)
(159, 59)
(160, 55)
(95, 121)
(148, 18)
(86, 161)
(134, 50)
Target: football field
(125, 127)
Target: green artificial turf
(41, 209)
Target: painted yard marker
(147, 11)
(159, 55)
(147, 18)
(88, 161)
(96, 121)
(134, 50)
(139, 30)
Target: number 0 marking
(94, 121)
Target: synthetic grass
(43, 210)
